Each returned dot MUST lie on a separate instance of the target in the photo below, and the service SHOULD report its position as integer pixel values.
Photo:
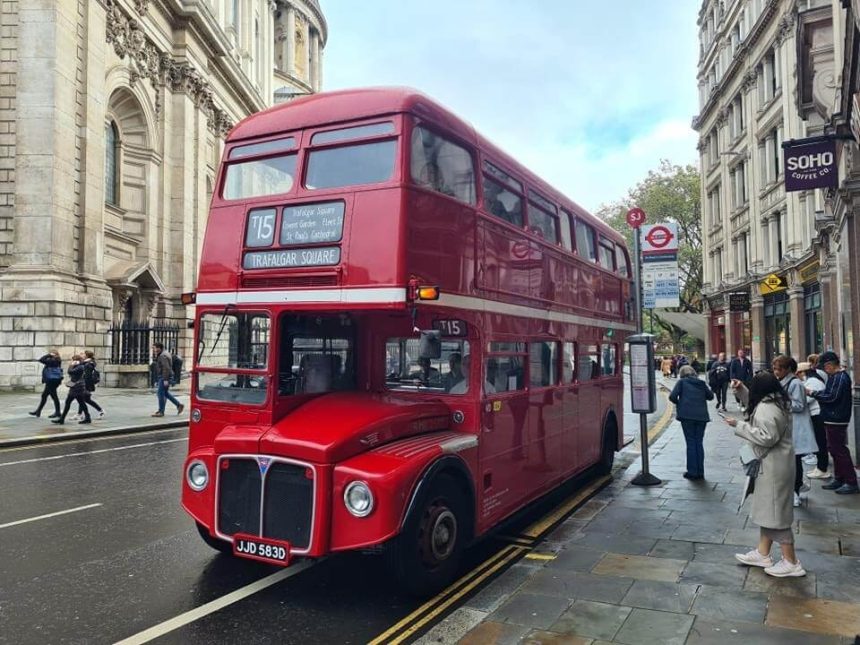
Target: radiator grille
(285, 494)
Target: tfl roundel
(660, 237)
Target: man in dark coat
(164, 372)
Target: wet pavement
(125, 410)
(656, 565)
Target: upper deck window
(272, 176)
(502, 202)
(440, 165)
(621, 261)
(564, 226)
(497, 173)
(542, 218)
(357, 132)
(607, 254)
(585, 245)
(266, 147)
(366, 163)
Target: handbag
(750, 462)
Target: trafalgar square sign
(810, 163)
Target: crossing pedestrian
(767, 431)
(835, 401)
(164, 373)
(690, 395)
(802, 433)
(812, 381)
(77, 391)
(52, 376)
(92, 377)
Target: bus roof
(354, 104)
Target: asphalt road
(94, 547)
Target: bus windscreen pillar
(643, 396)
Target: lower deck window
(232, 388)
(406, 370)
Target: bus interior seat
(316, 373)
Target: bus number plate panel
(452, 327)
(262, 549)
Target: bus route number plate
(452, 327)
(263, 549)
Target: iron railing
(131, 344)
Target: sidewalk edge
(35, 440)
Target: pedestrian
(740, 369)
(674, 367)
(802, 434)
(77, 391)
(813, 360)
(666, 366)
(164, 373)
(711, 360)
(718, 379)
(690, 395)
(812, 381)
(835, 401)
(52, 376)
(91, 379)
(767, 431)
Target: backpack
(92, 377)
(176, 365)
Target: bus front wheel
(610, 443)
(426, 556)
(219, 545)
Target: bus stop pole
(644, 478)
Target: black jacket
(52, 369)
(76, 376)
(835, 398)
(741, 370)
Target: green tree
(669, 194)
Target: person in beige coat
(768, 431)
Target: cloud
(590, 96)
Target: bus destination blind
(312, 223)
(286, 258)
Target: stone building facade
(112, 117)
(753, 97)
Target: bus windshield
(316, 354)
(233, 341)
(405, 370)
(271, 176)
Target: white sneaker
(754, 559)
(74, 417)
(809, 460)
(101, 415)
(785, 569)
(797, 500)
(805, 487)
(815, 473)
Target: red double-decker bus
(402, 337)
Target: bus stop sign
(635, 217)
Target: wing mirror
(430, 344)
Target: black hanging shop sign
(811, 163)
(739, 301)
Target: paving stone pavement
(656, 565)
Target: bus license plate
(263, 549)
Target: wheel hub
(440, 535)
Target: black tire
(216, 543)
(426, 556)
(610, 442)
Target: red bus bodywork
(530, 300)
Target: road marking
(46, 516)
(90, 452)
(46, 443)
(661, 424)
(446, 598)
(197, 613)
(431, 610)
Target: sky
(589, 95)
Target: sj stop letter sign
(635, 217)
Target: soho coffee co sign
(810, 165)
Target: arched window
(111, 164)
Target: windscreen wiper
(221, 328)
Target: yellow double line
(436, 606)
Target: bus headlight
(197, 475)
(358, 499)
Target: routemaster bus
(402, 337)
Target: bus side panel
(220, 256)
(440, 240)
(370, 260)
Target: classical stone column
(796, 341)
(730, 332)
(773, 234)
(757, 331)
(290, 43)
(315, 61)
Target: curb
(36, 440)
